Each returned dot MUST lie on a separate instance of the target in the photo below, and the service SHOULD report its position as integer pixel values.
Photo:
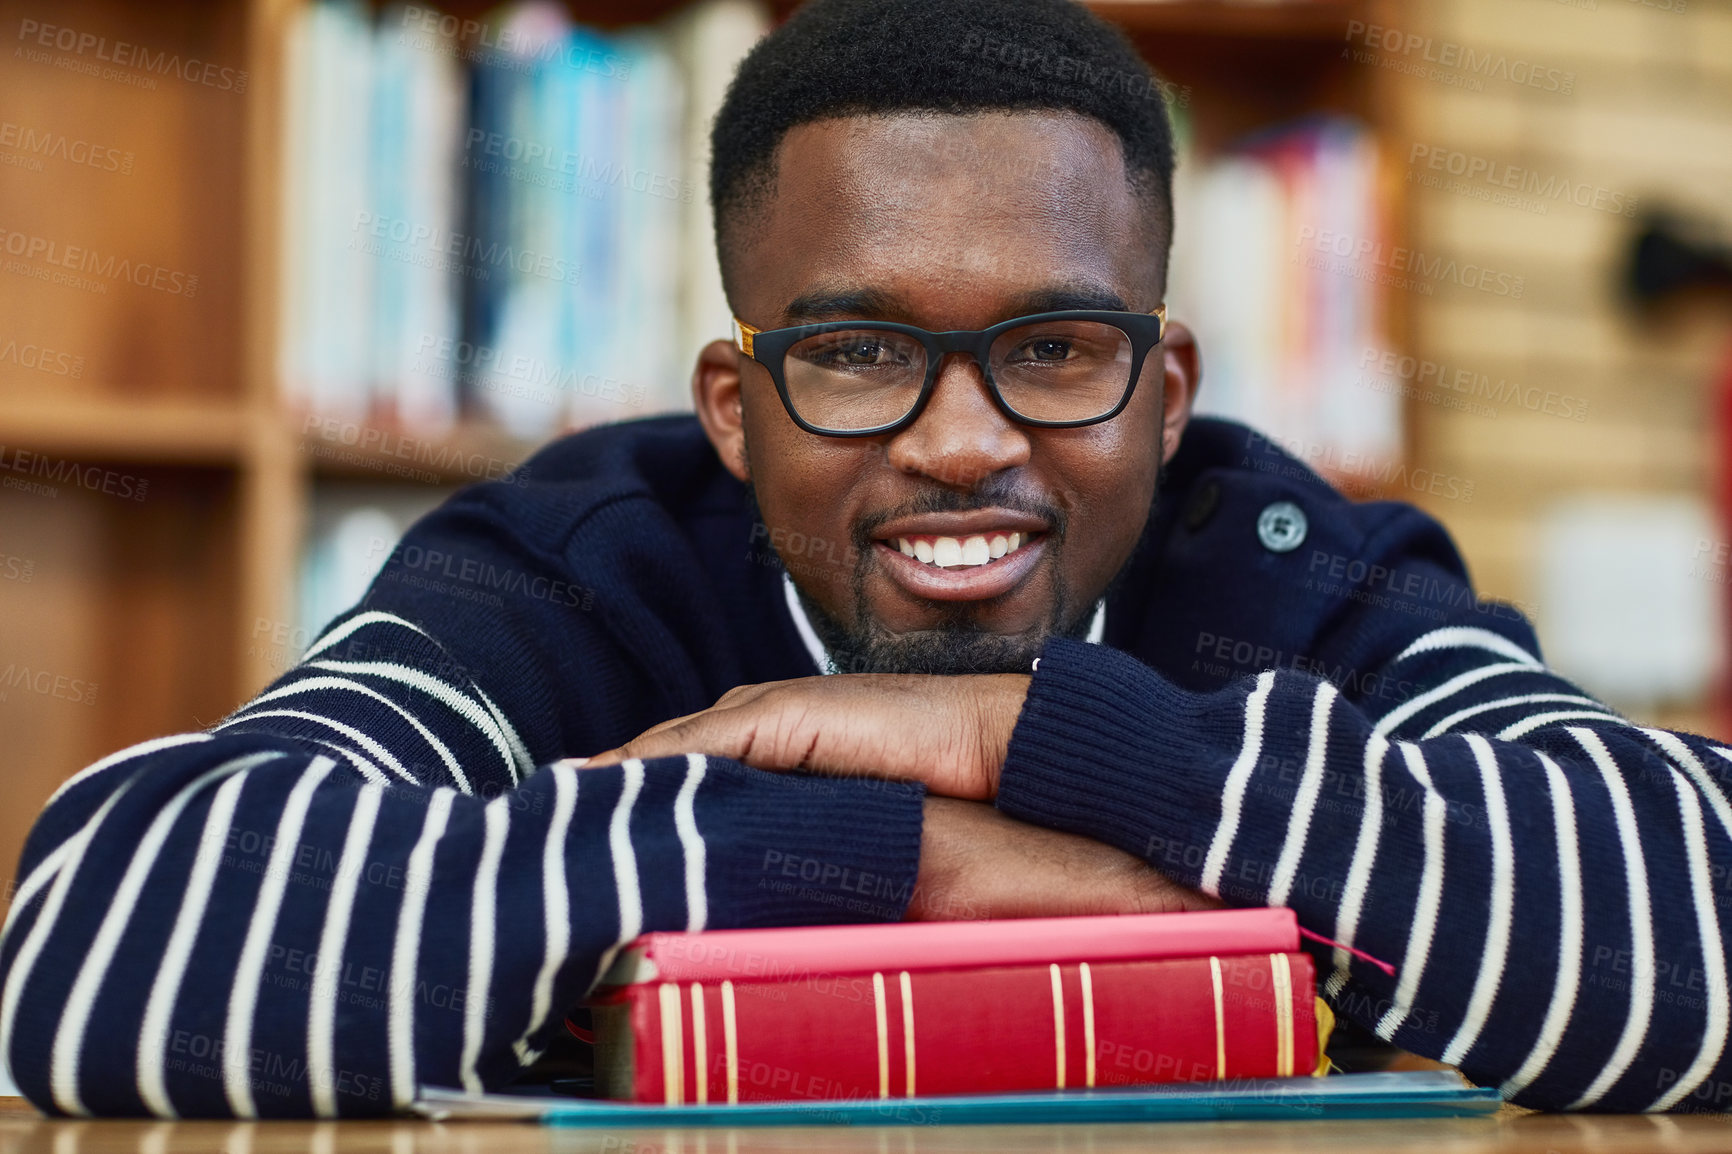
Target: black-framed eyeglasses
(1055, 370)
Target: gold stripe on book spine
(1220, 1019)
(1088, 989)
(673, 1045)
(700, 1044)
(730, 1042)
(908, 1028)
(1058, 1024)
(1281, 976)
(883, 1035)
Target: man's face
(947, 222)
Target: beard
(958, 643)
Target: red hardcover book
(803, 951)
(899, 1033)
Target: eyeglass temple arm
(743, 332)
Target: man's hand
(950, 732)
(977, 863)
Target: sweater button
(1203, 505)
(1281, 527)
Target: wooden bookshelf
(158, 602)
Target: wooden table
(1513, 1131)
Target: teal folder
(1415, 1094)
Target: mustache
(1003, 495)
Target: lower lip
(973, 583)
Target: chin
(939, 651)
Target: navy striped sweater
(361, 882)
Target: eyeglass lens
(1055, 370)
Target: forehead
(949, 213)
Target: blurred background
(276, 276)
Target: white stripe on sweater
(1713, 949)
(25, 960)
(349, 731)
(525, 763)
(75, 1011)
(44, 873)
(1459, 715)
(361, 621)
(1641, 922)
(464, 707)
(1496, 947)
(1568, 983)
(1469, 637)
(483, 929)
(1238, 779)
(1359, 869)
(692, 843)
(555, 907)
(159, 1009)
(250, 966)
(627, 894)
(1426, 903)
(1528, 724)
(406, 952)
(333, 941)
(1681, 754)
(370, 772)
(142, 749)
(519, 751)
(314, 684)
(1305, 798)
(1395, 717)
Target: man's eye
(1046, 349)
(861, 353)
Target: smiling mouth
(964, 552)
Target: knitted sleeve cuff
(1107, 748)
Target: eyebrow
(875, 304)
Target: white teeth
(961, 553)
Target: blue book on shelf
(1413, 1094)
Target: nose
(961, 437)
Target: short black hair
(836, 58)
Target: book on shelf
(1281, 265)
(917, 1010)
(503, 218)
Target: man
(1176, 669)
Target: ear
(1184, 372)
(716, 396)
